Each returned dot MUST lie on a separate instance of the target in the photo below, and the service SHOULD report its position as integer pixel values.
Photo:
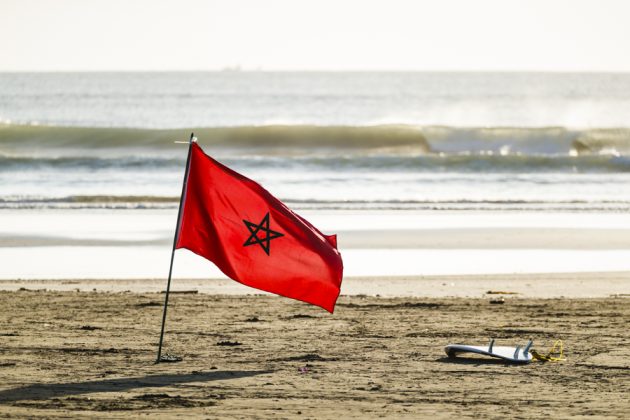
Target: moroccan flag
(254, 238)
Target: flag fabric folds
(254, 238)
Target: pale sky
(460, 35)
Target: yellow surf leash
(555, 354)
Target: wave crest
(296, 139)
(268, 137)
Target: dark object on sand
(181, 292)
(89, 328)
(229, 343)
(170, 358)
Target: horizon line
(255, 70)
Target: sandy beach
(79, 354)
(79, 329)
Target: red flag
(254, 238)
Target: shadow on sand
(475, 361)
(46, 391)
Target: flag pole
(179, 217)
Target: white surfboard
(518, 354)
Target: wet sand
(133, 244)
(470, 238)
(80, 354)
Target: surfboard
(518, 354)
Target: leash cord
(555, 354)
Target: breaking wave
(425, 163)
(292, 139)
(149, 202)
(112, 202)
(324, 167)
(543, 141)
(16, 162)
(271, 137)
(89, 202)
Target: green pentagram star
(268, 234)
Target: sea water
(333, 140)
(72, 143)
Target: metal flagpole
(179, 217)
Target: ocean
(418, 173)
(384, 141)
